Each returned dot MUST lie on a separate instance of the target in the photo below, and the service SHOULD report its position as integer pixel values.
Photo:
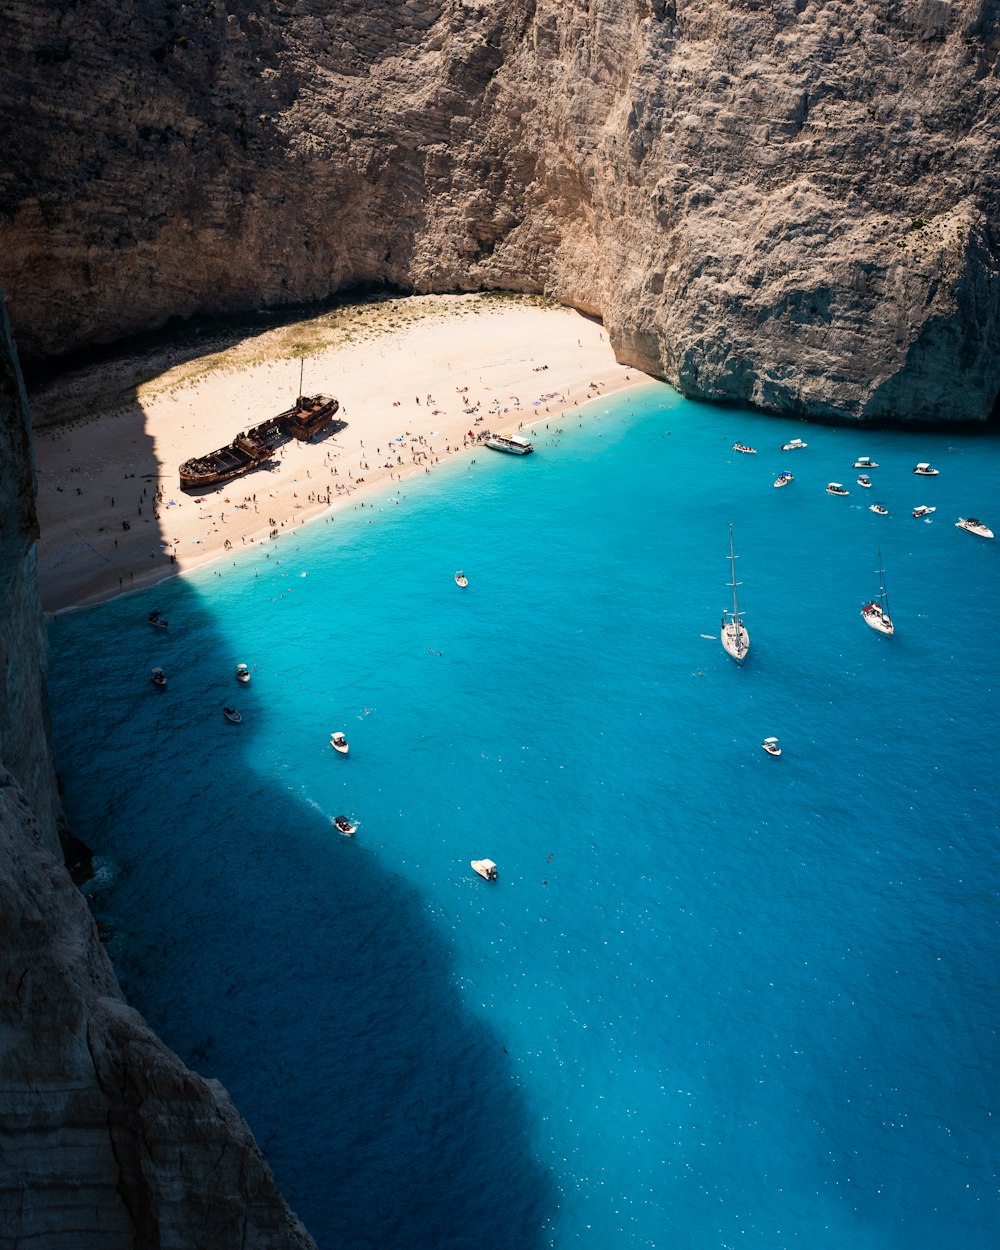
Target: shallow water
(715, 998)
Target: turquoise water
(715, 999)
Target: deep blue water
(715, 999)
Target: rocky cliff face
(790, 203)
(107, 1142)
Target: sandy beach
(419, 380)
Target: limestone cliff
(791, 203)
(107, 1142)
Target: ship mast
(302, 367)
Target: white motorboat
(974, 527)
(461, 579)
(865, 462)
(784, 478)
(923, 510)
(339, 742)
(876, 611)
(770, 745)
(924, 470)
(159, 678)
(865, 481)
(835, 488)
(735, 638)
(486, 868)
(344, 826)
(231, 714)
(242, 673)
(747, 451)
(157, 620)
(513, 444)
(795, 444)
(880, 508)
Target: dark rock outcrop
(782, 202)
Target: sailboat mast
(732, 564)
(883, 594)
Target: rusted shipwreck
(310, 415)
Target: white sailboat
(735, 638)
(876, 612)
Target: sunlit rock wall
(786, 202)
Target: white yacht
(747, 451)
(242, 673)
(486, 868)
(339, 742)
(794, 444)
(344, 826)
(865, 462)
(974, 526)
(923, 510)
(735, 638)
(461, 579)
(784, 478)
(513, 444)
(924, 470)
(865, 481)
(876, 611)
(880, 508)
(770, 745)
(835, 488)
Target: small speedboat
(747, 451)
(486, 868)
(974, 526)
(770, 745)
(924, 470)
(795, 444)
(344, 826)
(231, 714)
(865, 462)
(157, 620)
(835, 488)
(339, 742)
(461, 579)
(865, 481)
(242, 673)
(923, 510)
(880, 508)
(158, 678)
(783, 478)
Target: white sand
(96, 475)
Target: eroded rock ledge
(790, 203)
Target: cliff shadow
(269, 953)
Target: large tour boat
(513, 444)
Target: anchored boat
(876, 611)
